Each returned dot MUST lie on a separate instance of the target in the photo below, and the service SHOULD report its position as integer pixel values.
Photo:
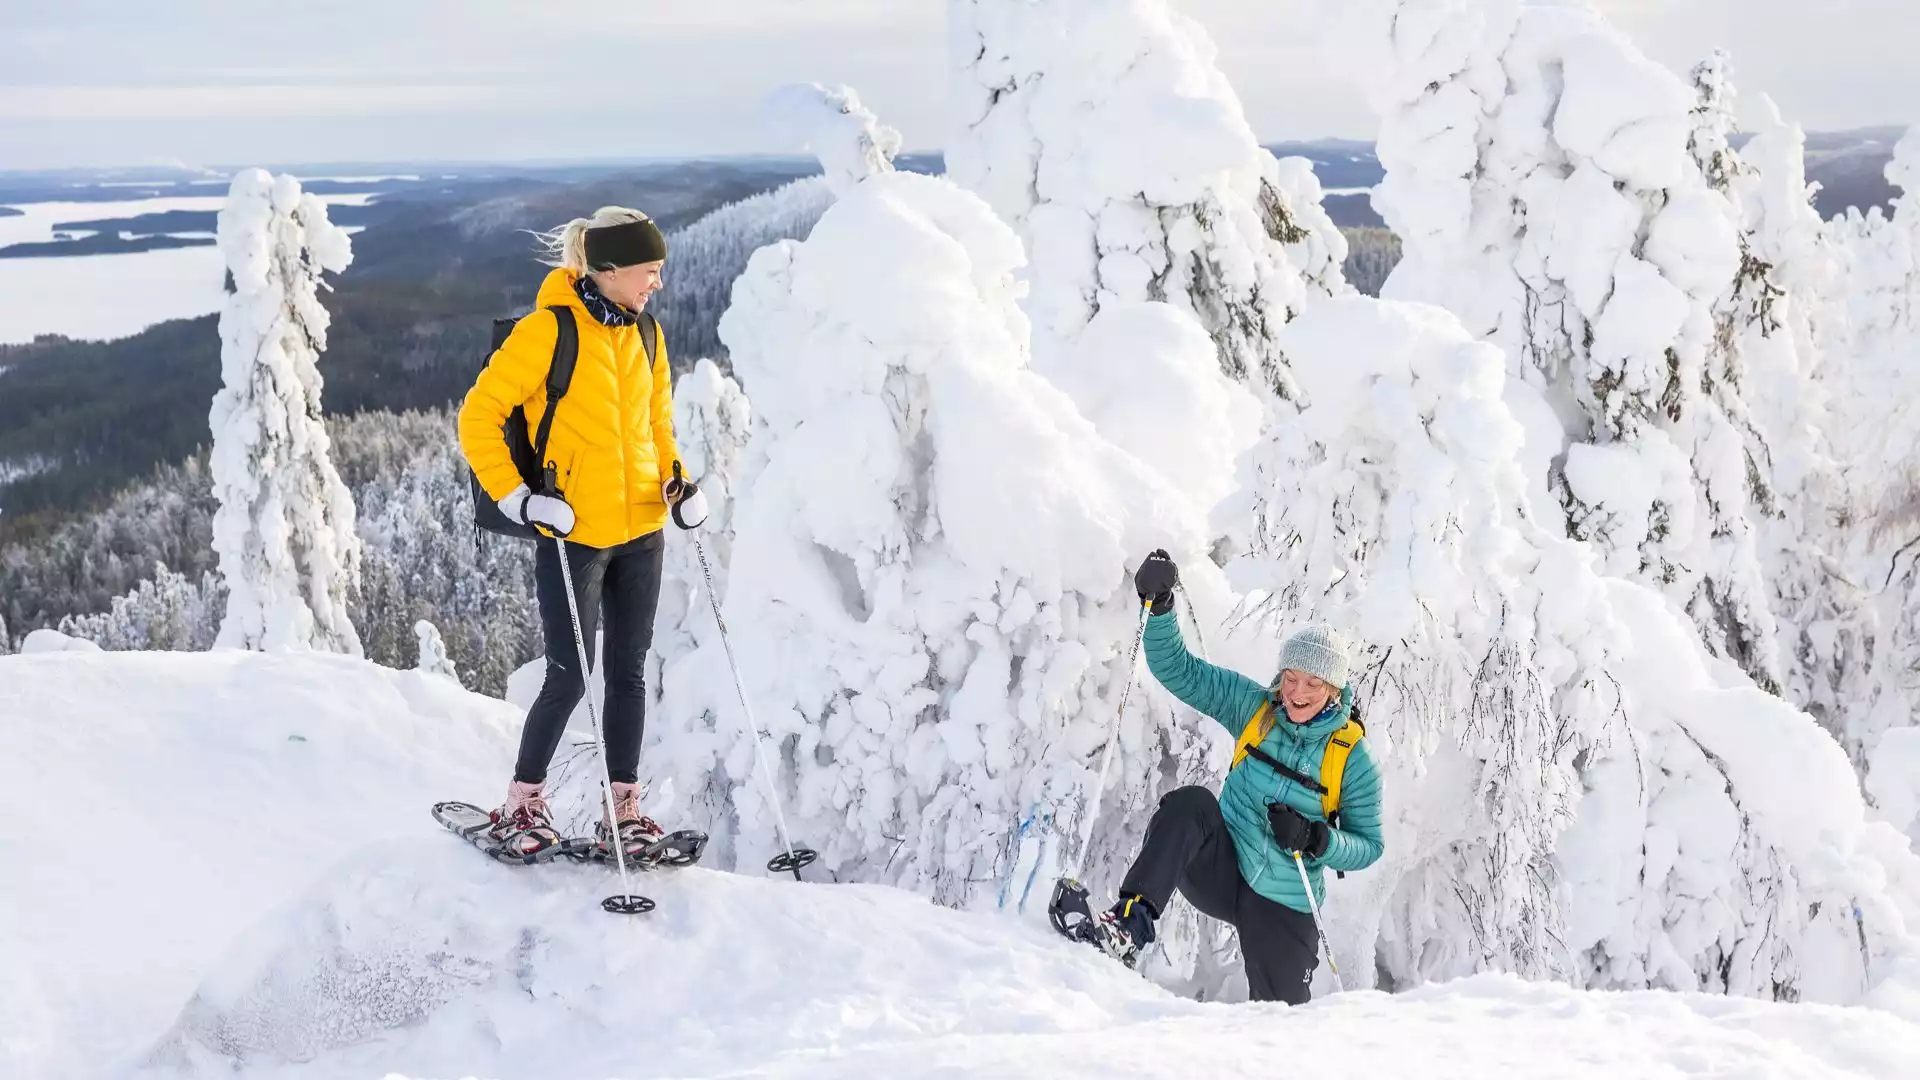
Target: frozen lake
(100, 297)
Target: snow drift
(319, 924)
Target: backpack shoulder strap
(566, 351)
(1333, 764)
(1250, 736)
(649, 336)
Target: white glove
(523, 506)
(687, 501)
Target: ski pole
(629, 902)
(1326, 947)
(793, 858)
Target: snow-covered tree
(1539, 174)
(930, 583)
(850, 141)
(424, 560)
(691, 725)
(433, 657)
(1395, 506)
(166, 612)
(289, 556)
(1875, 362)
(1770, 326)
(1106, 134)
(710, 253)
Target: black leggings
(624, 583)
(1188, 846)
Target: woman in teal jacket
(1232, 857)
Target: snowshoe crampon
(682, 848)
(475, 825)
(1068, 910)
(1071, 915)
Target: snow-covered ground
(102, 297)
(229, 869)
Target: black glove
(1297, 833)
(1155, 581)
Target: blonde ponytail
(566, 246)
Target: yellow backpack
(1333, 764)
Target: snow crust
(381, 946)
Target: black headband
(611, 247)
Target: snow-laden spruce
(710, 253)
(1876, 404)
(693, 726)
(284, 532)
(1394, 505)
(850, 141)
(930, 584)
(433, 657)
(1538, 172)
(165, 612)
(1771, 326)
(1105, 132)
(1527, 148)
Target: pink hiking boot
(523, 825)
(638, 832)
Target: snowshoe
(674, 849)
(1120, 932)
(519, 846)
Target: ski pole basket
(630, 904)
(791, 860)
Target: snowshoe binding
(645, 844)
(1120, 932)
(521, 831)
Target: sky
(230, 82)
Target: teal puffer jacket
(1232, 699)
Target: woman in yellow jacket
(613, 461)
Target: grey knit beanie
(1319, 651)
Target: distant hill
(1850, 167)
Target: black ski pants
(1188, 847)
(623, 585)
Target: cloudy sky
(107, 82)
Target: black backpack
(529, 454)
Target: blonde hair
(566, 246)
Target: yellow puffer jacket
(612, 440)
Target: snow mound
(292, 910)
(420, 959)
(419, 956)
(170, 800)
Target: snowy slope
(379, 946)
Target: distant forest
(410, 325)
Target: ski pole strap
(1298, 777)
